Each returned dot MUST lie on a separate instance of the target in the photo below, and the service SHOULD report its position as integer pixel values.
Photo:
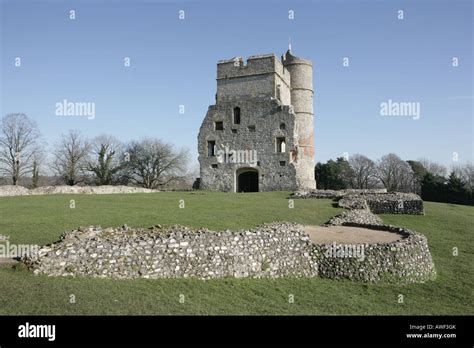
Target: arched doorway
(246, 180)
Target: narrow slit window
(237, 115)
(211, 148)
(280, 145)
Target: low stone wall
(378, 201)
(11, 190)
(334, 194)
(388, 203)
(353, 202)
(356, 216)
(272, 250)
(395, 203)
(407, 260)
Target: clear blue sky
(173, 62)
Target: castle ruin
(259, 134)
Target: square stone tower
(259, 134)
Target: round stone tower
(301, 81)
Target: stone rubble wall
(407, 260)
(11, 190)
(334, 194)
(272, 250)
(378, 201)
(357, 216)
(388, 203)
(395, 203)
(223, 176)
(353, 202)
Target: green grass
(41, 219)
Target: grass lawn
(41, 219)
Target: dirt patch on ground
(349, 235)
(7, 261)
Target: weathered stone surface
(388, 203)
(407, 260)
(334, 194)
(357, 216)
(378, 201)
(353, 202)
(275, 101)
(395, 203)
(272, 250)
(11, 190)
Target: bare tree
(466, 173)
(18, 143)
(433, 168)
(363, 172)
(153, 163)
(38, 159)
(394, 173)
(106, 163)
(70, 158)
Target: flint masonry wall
(258, 77)
(378, 201)
(273, 250)
(388, 203)
(407, 260)
(265, 116)
(334, 194)
(262, 89)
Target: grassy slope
(41, 219)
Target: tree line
(428, 179)
(154, 164)
(104, 160)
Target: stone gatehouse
(259, 134)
